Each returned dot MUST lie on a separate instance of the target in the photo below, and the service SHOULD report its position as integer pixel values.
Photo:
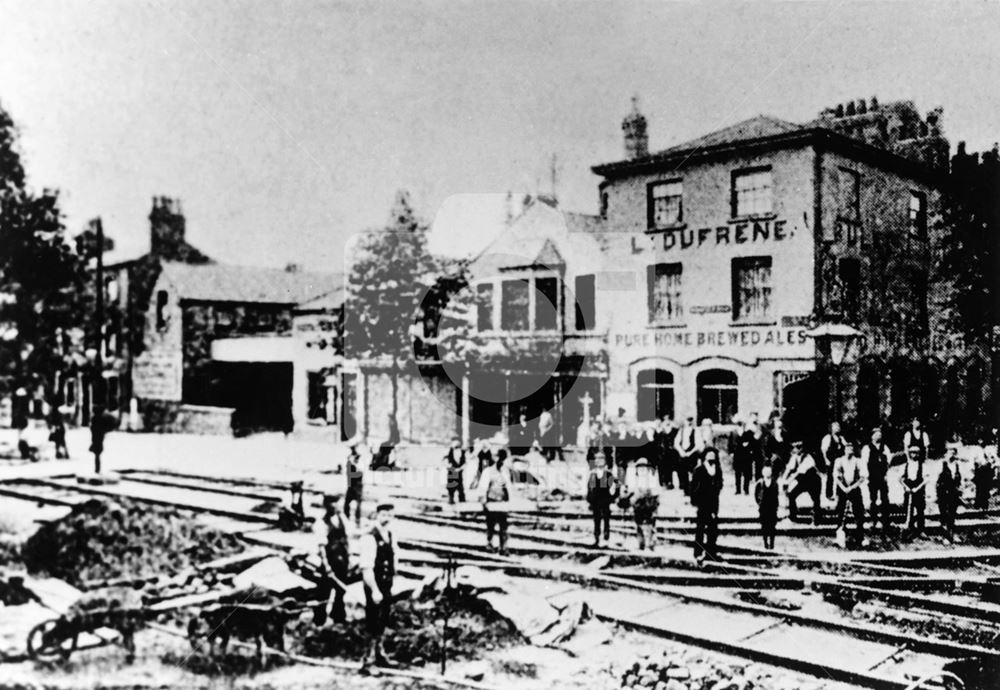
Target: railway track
(852, 652)
(656, 595)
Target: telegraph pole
(97, 387)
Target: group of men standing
(848, 466)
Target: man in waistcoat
(831, 448)
(949, 492)
(666, 437)
(378, 569)
(335, 559)
(876, 458)
(916, 439)
(688, 451)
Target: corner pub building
(692, 293)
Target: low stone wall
(200, 419)
(162, 416)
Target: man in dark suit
(949, 493)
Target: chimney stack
(166, 226)
(634, 127)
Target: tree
(391, 275)
(42, 277)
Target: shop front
(704, 374)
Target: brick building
(219, 347)
(694, 290)
(194, 345)
(129, 283)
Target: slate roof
(754, 128)
(228, 283)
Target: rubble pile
(415, 633)
(103, 539)
(679, 668)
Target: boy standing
(766, 494)
(455, 459)
(914, 491)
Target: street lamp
(839, 338)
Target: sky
(285, 127)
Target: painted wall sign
(733, 234)
(736, 337)
(711, 309)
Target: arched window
(718, 399)
(655, 394)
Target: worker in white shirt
(496, 482)
(831, 448)
(848, 478)
(916, 438)
(802, 477)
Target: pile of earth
(677, 668)
(415, 634)
(103, 539)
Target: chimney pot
(636, 137)
(167, 228)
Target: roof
(182, 252)
(228, 283)
(762, 130)
(331, 300)
(752, 129)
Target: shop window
(665, 204)
(751, 193)
(718, 397)
(585, 289)
(664, 289)
(918, 215)
(484, 306)
(655, 395)
(515, 301)
(161, 309)
(752, 289)
(546, 304)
